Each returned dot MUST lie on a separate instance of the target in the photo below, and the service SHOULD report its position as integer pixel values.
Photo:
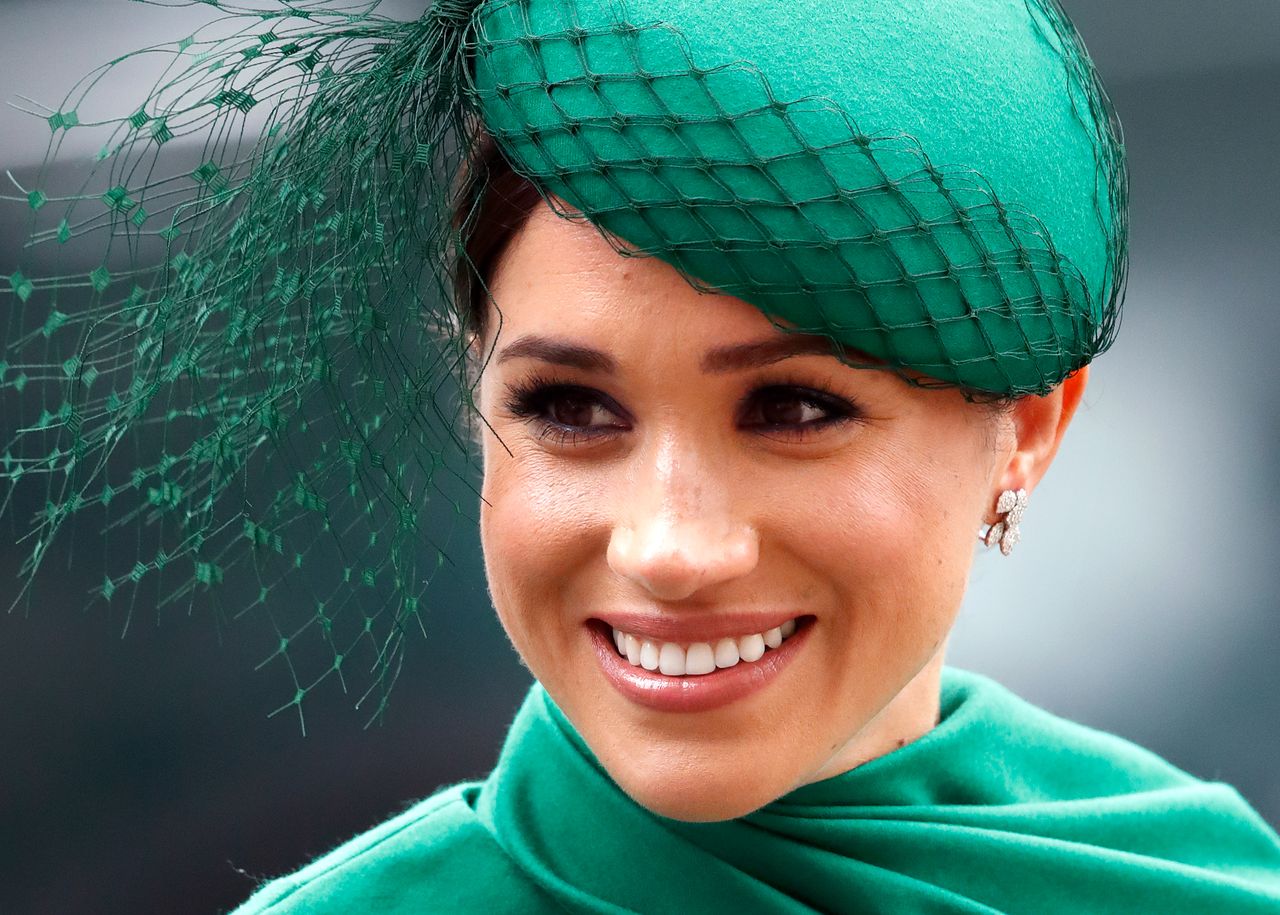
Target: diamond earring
(1010, 506)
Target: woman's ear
(1038, 426)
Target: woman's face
(669, 464)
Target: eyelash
(531, 399)
(839, 409)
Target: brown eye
(787, 409)
(792, 411)
(785, 406)
(566, 414)
(573, 408)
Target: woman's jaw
(717, 746)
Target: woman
(730, 488)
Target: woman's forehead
(565, 294)
(563, 275)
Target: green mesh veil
(258, 386)
(939, 185)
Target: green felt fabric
(925, 180)
(1002, 807)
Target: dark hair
(492, 205)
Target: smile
(695, 676)
(699, 658)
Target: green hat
(936, 183)
(236, 343)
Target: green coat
(1002, 807)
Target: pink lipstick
(693, 693)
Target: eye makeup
(568, 413)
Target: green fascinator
(232, 339)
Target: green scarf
(1002, 807)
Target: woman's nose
(678, 530)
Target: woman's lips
(692, 693)
(694, 628)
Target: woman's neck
(909, 715)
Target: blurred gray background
(142, 774)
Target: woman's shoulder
(435, 856)
(1030, 767)
(1027, 753)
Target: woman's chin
(695, 794)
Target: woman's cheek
(857, 519)
(540, 522)
(885, 537)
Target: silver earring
(1010, 506)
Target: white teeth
(648, 655)
(671, 659)
(751, 647)
(726, 652)
(700, 658)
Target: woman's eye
(785, 408)
(563, 413)
(571, 414)
(573, 408)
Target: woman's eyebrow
(732, 358)
(559, 352)
(740, 356)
